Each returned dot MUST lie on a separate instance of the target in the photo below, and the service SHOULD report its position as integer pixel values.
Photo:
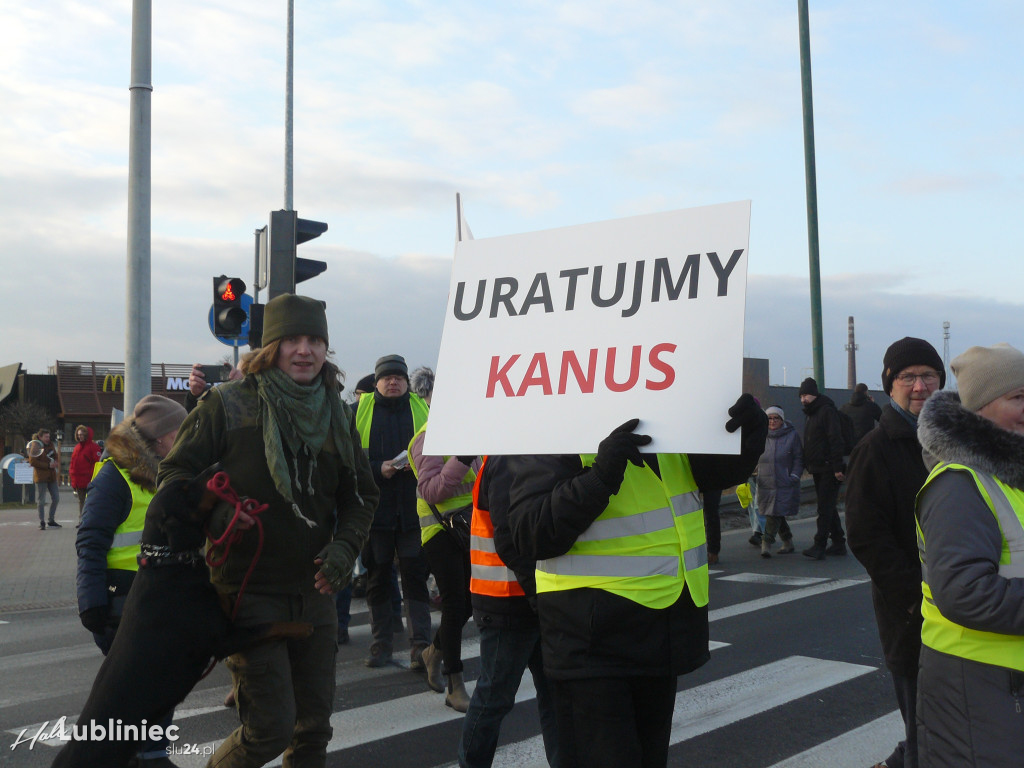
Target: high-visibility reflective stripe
(482, 544)
(491, 573)
(696, 557)
(623, 566)
(633, 525)
(130, 539)
(426, 522)
(1013, 531)
(686, 503)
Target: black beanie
(906, 352)
(365, 384)
(390, 365)
(809, 387)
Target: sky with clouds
(542, 115)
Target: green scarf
(298, 416)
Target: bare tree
(23, 419)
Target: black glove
(95, 619)
(467, 460)
(337, 562)
(747, 415)
(619, 447)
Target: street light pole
(812, 194)
(288, 104)
(138, 311)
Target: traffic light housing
(228, 314)
(284, 267)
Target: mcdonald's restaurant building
(86, 393)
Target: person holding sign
(622, 582)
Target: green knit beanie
(291, 315)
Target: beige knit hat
(156, 416)
(985, 373)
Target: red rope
(220, 484)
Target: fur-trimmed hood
(949, 432)
(129, 451)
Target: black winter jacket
(590, 632)
(863, 412)
(886, 472)
(823, 437)
(390, 433)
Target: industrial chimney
(851, 358)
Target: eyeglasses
(774, 418)
(928, 379)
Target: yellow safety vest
(428, 523)
(1007, 505)
(646, 545)
(364, 415)
(124, 549)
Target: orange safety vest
(488, 573)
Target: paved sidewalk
(37, 568)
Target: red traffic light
(228, 314)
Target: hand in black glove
(95, 619)
(336, 561)
(619, 447)
(467, 460)
(747, 415)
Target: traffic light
(228, 314)
(284, 267)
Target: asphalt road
(795, 679)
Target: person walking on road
(84, 458)
(284, 438)
(823, 458)
(970, 516)
(885, 473)
(444, 484)
(778, 481)
(110, 535)
(863, 412)
(504, 588)
(618, 628)
(387, 419)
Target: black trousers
(450, 565)
(826, 488)
(613, 722)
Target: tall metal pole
(812, 194)
(288, 201)
(138, 312)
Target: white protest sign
(552, 339)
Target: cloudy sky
(542, 114)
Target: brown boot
(765, 547)
(457, 698)
(432, 661)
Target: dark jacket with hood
(83, 459)
(823, 436)
(969, 713)
(588, 632)
(778, 472)
(886, 472)
(863, 412)
(226, 427)
(107, 504)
